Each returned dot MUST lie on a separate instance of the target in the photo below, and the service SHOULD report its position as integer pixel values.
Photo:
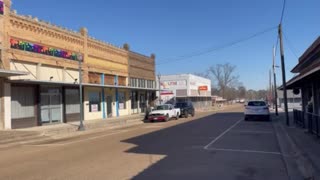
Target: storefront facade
(307, 82)
(186, 87)
(43, 87)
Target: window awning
(28, 81)
(9, 73)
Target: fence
(302, 119)
(298, 117)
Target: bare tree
(202, 74)
(224, 76)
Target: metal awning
(292, 83)
(9, 73)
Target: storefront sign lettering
(35, 48)
(173, 84)
(1, 7)
(203, 88)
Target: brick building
(39, 74)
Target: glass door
(51, 108)
(55, 108)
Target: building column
(103, 98)
(304, 97)
(117, 95)
(315, 97)
(2, 104)
(38, 71)
(7, 105)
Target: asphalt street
(217, 146)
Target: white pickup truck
(164, 113)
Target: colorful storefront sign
(35, 48)
(203, 88)
(1, 7)
(173, 84)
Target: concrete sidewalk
(70, 129)
(306, 147)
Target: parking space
(250, 150)
(248, 136)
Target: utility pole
(270, 86)
(284, 77)
(159, 76)
(275, 81)
(81, 126)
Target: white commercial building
(185, 87)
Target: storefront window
(94, 102)
(122, 100)
(134, 100)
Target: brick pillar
(85, 75)
(5, 104)
(4, 28)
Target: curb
(298, 167)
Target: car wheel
(192, 114)
(167, 118)
(177, 117)
(186, 115)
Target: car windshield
(162, 107)
(256, 103)
(181, 105)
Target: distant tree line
(226, 84)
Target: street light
(81, 126)
(159, 76)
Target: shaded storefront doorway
(51, 105)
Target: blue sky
(174, 28)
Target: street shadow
(182, 148)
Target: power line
(210, 50)
(291, 48)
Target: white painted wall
(31, 68)
(71, 75)
(192, 83)
(46, 72)
(7, 105)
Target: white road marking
(222, 134)
(244, 151)
(253, 132)
(80, 140)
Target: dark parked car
(186, 109)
